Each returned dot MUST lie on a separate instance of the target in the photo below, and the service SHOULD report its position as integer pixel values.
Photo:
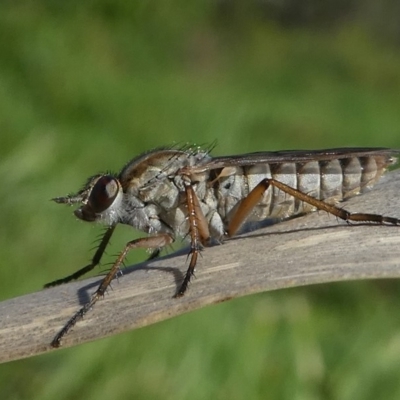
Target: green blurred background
(85, 86)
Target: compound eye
(103, 194)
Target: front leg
(95, 261)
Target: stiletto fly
(171, 192)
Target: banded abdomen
(329, 180)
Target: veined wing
(388, 157)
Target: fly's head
(100, 199)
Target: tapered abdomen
(328, 180)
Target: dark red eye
(103, 193)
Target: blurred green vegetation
(86, 86)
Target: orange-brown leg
(153, 242)
(199, 234)
(255, 195)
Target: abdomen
(329, 180)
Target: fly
(169, 193)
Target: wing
(388, 156)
